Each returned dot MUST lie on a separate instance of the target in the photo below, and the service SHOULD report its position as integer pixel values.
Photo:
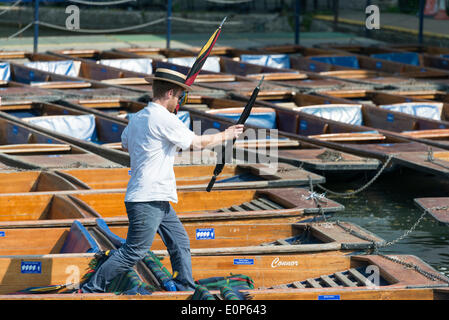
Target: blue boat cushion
(430, 110)
(343, 61)
(184, 116)
(5, 71)
(266, 119)
(212, 63)
(115, 239)
(79, 240)
(268, 60)
(136, 65)
(347, 113)
(81, 127)
(402, 57)
(64, 67)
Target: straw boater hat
(168, 75)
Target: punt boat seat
(64, 67)
(342, 61)
(81, 127)
(141, 65)
(346, 113)
(79, 240)
(430, 110)
(212, 63)
(5, 71)
(411, 58)
(259, 117)
(279, 61)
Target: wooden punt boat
(359, 61)
(111, 69)
(92, 132)
(218, 238)
(26, 148)
(308, 156)
(354, 139)
(438, 207)
(416, 119)
(233, 176)
(66, 86)
(416, 57)
(304, 155)
(313, 276)
(439, 97)
(228, 63)
(41, 209)
(295, 57)
(222, 239)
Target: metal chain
(365, 186)
(376, 247)
(431, 159)
(390, 243)
(317, 198)
(427, 274)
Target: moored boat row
(321, 113)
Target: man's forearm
(208, 140)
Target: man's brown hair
(161, 87)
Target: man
(151, 138)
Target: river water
(387, 209)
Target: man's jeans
(145, 219)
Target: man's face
(174, 99)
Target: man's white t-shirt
(151, 137)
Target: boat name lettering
(278, 263)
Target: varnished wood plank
(346, 281)
(329, 281)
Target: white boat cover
(64, 67)
(5, 71)
(143, 65)
(430, 110)
(81, 127)
(279, 61)
(212, 63)
(347, 113)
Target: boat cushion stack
(81, 127)
(135, 65)
(401, 57)
(342, 61)
(211, 64)
(79, 240)
(263, 118)
(279, 61)
(430, 110)
(347, 113)
(64, 67)
(5, 72)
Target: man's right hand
(233, 132)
